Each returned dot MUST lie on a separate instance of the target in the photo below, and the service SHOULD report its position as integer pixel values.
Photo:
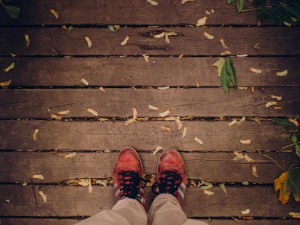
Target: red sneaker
(127, 176)
(171, 175)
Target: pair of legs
(169, 190)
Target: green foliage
(11, 10)
(293, 181)
(282, 122)
(240, 5)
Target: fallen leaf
(223, 43)
(208, 192)
(69, 28)
(245, 183)
(268, 104)
(55, 13)
(198, 140)
(170, 118)
(201, 21)
(165, 128)
(152, 2)
(238, 155)
(146, 57)
(24, 184)
(10, 67)
(92, 111)
(5, 83)
(278, 98)
(245, 212)
(234, 121)
(282, 74)
(163, 88)
(242, 55)
(84, 182)
(27, 39)
(219, 64)
(185, 1)
(88, 40)
(248, 158)
(65, 112)
(256, 46)
(35, 133)
(167, 34)
(254, 171)
(84, 81)
(90, 189)
(254, 70)
(223, 188)
(179, 123)
(13, 55)
(71, 155)
(157, 149)
(208, 36)
(164, 114)
(207, 12)
(243, 88)
(295, 215)
(151, 107)
(245, 142)
(125, 40)
(56, 117)
(184, 132)
(197, 83)
(180, 56)
(101, 89)
(225, 53)
(44, 197)
(252, 89)
(293, 121)
(41, 177)
(134, 117)
(277, 107)
(161, 35)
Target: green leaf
(240, 5)
(12, 11)
(225, 80)
(293, 181)
(219, 64)
(223, 188)
(282, 122)
(10, 67)
(231, 71)
(294, 138)
(69, 28)
(297, 147)
(229, 2)
(245, 183)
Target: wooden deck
(47, 79)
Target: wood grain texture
(134, 71)
(189, 41)
(99, 12)
(20, 166)
(213, 221)
(91, 135)
(81, 203)
(118, 102)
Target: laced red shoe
(127, 176)
(171, 175)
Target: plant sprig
(11, 10)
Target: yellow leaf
(44, 197)
(34, 136)
(293, 121)
(184, 132)
(294, 215)
(254, 171)
(56, 117)
(152, 2)
(5, 84)
(84, 81)
(208, 192)
(279, 181)
(245, 142)
(197, 83)
(157, 149)
(201, 21)
(268, 104)
(55, 13)
(92, 111)
(10, 67)
(65, 112)
(165, 128)
(88, 40)
(185, 1)
(146, 57)
(125, 40)
(164, 114)
(223, 43)
(134, 117)
(283, 73)
(254, 70)
(27, 39)
(101, 89)
(238, 155)
(41, 177)
(225, 53)
(219, 64)
(151, 107)
(278, 98)
(208, 36)
(71, 155)
(198, 140)
(248, 158)
(245, 212)
(163, 88)
(179, 123)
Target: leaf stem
(290, 145)
(274, 162)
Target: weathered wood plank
(132, 71)
(121, 12)
(189, 41)
(216, 136)
(38, 221)
(20, 166)
(118, 102)
(76, 201)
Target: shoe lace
(130, 183)
(169, 183)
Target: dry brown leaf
(268, 104)
(84, 81)
(254, 70)
(254, 171)
(180, 56)
(245, 142)
(27, 39)
(198, 140)
(208, 36)
(44, 197)
(5, 84)
(55, 13)
(223, 43)
(92, 111)
(164, 114)
(151, 107)
(185, 1)
(293, 121)
(278, 107)
(56, 117)
(39, 176)
(165, 128)
(201, 21)
(208, 192)
(179, 123)
(71, 155)
(184, 132)
(163, 88)
(152, 2)
(146, 57)
(197, 83)
(282, 73)
(125, 40)
(278, 98)
(64, 112)
(245, 212)
(89, 42)
(157, 149)
(35, 133)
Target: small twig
(290, 145)
(274, 162)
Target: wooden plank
(208, 166)
(99, 12)
(58, 221)
(76, 201)
(118, 102)
(189, 41)
(132, 71)
(216, 136)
